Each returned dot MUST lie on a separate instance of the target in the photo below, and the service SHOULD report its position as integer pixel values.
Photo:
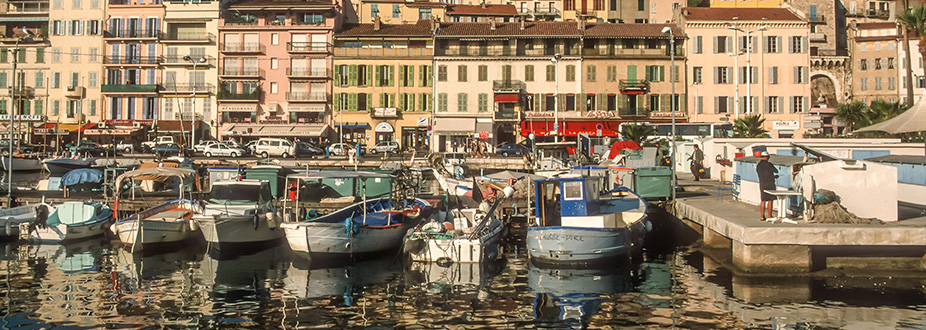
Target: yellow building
(746, 3)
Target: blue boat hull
(583, 247)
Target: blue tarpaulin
(81, 175)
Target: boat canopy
(159, 174)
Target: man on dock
(697, 162)
(767, 174)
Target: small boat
(71, 221)
(61, 165)
(472, 236)
(375, 224)
(580, 228)
(22, 162)
(11, 218)
(170, 222)
(239, 213)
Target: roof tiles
(741, 14)
(422, 28)
(488, 10)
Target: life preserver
(510, 181)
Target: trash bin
(269, 174)
(653, 182)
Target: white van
(266, 147)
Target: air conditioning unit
(136, 125)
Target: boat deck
(759, 246)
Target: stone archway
(823, 90)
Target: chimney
(521, 20)
(376, 23)
(580, 24)
(483, 4)
(492, 22)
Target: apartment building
(732, 74)
(394, 11)
(383, 83)
(917, 70)
(875, 62)
(275, 61)
(23, 44)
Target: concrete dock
(760, 247)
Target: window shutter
(716, 44)
(391, 75)
(730, 45)
(790, 104)
(700, 43)
(411, 102)
(337, 75)
(806, 42)
(352, 75)
(411, 75)
(664, 101)
(352, 101)
(766, 106)
(729, 103)
(382, 100)
(401, 75)
(377, 76)
(806, 103)
(716, 75)
(716, 104)
(806, 75)
(337, 105)
(662, 72)
(797, 74)
(368, 76)
(429, 75)
(421, 76)
(765, 44)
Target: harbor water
(97, 284)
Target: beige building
(383, 83)
(875, 62)
(392, 11)
(778, 72)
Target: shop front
(453, 134)
(384, 132)
(545, 130)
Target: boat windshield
(239, 194)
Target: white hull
(154, 231)
(457, 249)
(238, 229)
(309, 237)
(11, 218)
(64, 232)
(22, 164)
(453, 186)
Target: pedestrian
(767, 174)
(697, 162)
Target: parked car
(201, 147)
(120, 146)
(89, 148)
(342, 149)
(222, 149)
(267, 147)
(304, 149)
(170, 149)
(508, 149)
(385, 147)
(250, 146)
(150, 145)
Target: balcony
(307, 96)
(586, 13)
(633, 85)
(321, 73)
(508, 115)
(200, 88)
(876, 13)
(188, 37)
(633, 112)
(130, 88)
(242, 48)
(634, 52)
(178, 60)
(509, 86)
(524, 12)
(817, 37)
(383, 52)
(308, 47)
(242, 72)
(546, 11)
(131, 60)
(131, 34)
(239, 97)
(74, 92)
(817, 19)
(27, 7)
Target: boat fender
(648, 225)
(114, 229)
(448, 226)
(433, 226)
(185, 229)
(256, 221)
(444, 262)
(9, 228)
(194, 225)
(271, 219)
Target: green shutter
(3, 107)
(352, 75)
(422, 99)
(429, 77)
(391, 76)
(337, 75)
(38, 107)
(22, 55)
(382, 100)
(337, 105)
(40, 55)
(392, 101)
(411, 102)
(352, 101)
(411, 75)
(377, 79)
(662, 73)
(26, 106)
(369, 76)
(3, 80)
(3, 55)
(401, 75)
(632, 73)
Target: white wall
(867, 189)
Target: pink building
(275, 60)
(130, 59)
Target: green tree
(915, 19)
(881, 110)
(637, 132)
(750, 127)
(852, 114)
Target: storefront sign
(424, 121)
(238, 107)
(383, 127)
(306, 107)
(813, 125)
(786, 124)
(600, 114)
(23, 118)
(540, 114)
(385, 112)
(483, 135)
(666, 114)
(129, 122)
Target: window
(771, 104)
(572, 190)
(655, 73)
(374, 10)
(462, 99)
(696, 74)
(698, 46)
(94, 4)
(722, 104)
(590, 104)
(722, 75)
(76, 28)
(877, 63)
(424, 13)
(654, 102)
(483, 102)
(699, 104)
(274, 63)
(56, 80)
(590, 73)
(797, 45)
(570, 73)
(878, 83)
(722, 44)
(863, 84)
(75, 54)
(274, 87)
(461, 73)
(39, 55)
(59, 4)
(612, 73)
(442, 73)
(570, 102)
(528, 73)
(891, 83)
(56, 55)
(387, 44)
(55, 107)
(551, 72)
(353, 44)
(797, 104)
(442, 102)
(612, 102)
(93, 27)
(862, 47)
(801, 75)
(39, 79)
(891, 63)
(773, 75)
(483, 73)
(396, 11)
(863, 64)
(877, 46)
(274, 38)
(550, 101)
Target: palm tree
(852, 114)
(915, 19)
(637, 132)
(750, 127)
(881, 110)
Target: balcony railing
(188, 37)
(242, 47)
(507, 115)
(188, 88)
(817, 19)
(546, 11)
(253, 96)
(243, 72)
(633, 112)
(626, 84)
(876, 13)
(308, 72)
(308, 47)
(524, 11)
(27, 7)
(454, 50)
(621, 52)
(132, 33)
(508, 85)
(817, 37)
(383, 52)
(307, 96)
(178, 60)
(131, 60)
(129, 88)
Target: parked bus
(694, 130)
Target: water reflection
(574, 295)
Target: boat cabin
(245, 191)
(570, 196)
(337, 185)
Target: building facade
(875, 62)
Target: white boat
(166, 223)
(11, 218)
(578, 227)
(239, 213)
(22, 162)
(70, 221)
(61, 165)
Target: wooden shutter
(391, 75)
(337, 75)
(337, 105)
(377, 76)
(352, 75)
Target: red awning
(506, 98)
(571, 128)
(69, 127)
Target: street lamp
(555, 60)
(195, 61)
(736, 83)
(668, 30)
(9, 165)
(732, 26)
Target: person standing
(697, 162)
(767, 174)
